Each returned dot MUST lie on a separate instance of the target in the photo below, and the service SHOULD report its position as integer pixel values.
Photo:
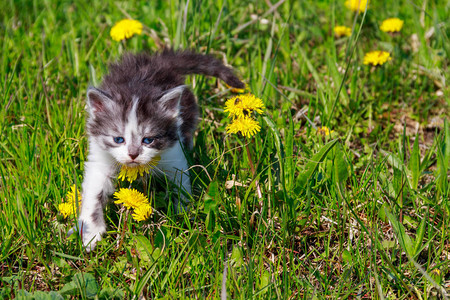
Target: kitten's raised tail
(187, 62)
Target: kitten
(141, 110)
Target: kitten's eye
(119, 140)
(147, 140)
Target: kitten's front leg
(97, 186)
(174, 165)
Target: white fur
(121, 153)
(132, 124)
(97, 179)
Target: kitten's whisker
(158, 169)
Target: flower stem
(122, 234)
(252, 167)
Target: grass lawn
(343, 193)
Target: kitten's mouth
(132, 164)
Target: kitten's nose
(133, 155)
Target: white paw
(90, 233)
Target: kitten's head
(134, 128)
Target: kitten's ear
(98, 101)
(170, 101)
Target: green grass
(362, 213)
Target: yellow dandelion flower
(377, 58)
(243, 105)
(66, 209)
(391, 25)
(73, 195)
(246, 126)
(357, 5)
(436, 271)
(73, 200)
(131, 173)
(142, 212)
(342, 31)
(130, 198)
(125, 29)
(324, 131)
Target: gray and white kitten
(141, 110)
